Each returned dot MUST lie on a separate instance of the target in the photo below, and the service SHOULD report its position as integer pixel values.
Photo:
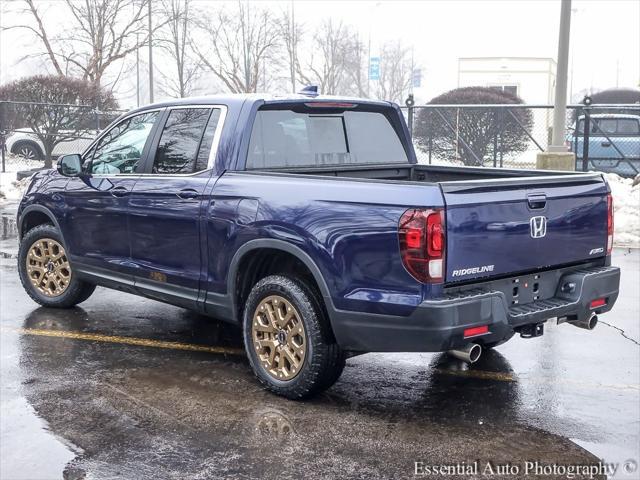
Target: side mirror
(70, 165)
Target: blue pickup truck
(307, 221)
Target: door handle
(187, 194)
(119, 192)
(537, 202)
(606, 144)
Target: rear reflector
(473, 331)
(598, 302)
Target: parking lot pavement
(129, 388)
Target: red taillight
(598, 302)
(422, 243)
(474, 331)
(609, 223)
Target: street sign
(416, 77)
(374, 68)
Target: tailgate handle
(537, 202)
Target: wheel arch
(30, 142)
(255, 248)
(35, 215)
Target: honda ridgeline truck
(307, 221)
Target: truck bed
(416, 172)
(491, 214)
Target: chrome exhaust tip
(588, 323)
(470, 353)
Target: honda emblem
(538, 226)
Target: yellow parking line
(143, 342)
(482, 374)
(507, 377)
(146, 342)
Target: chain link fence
(33, 135)
(511, 136)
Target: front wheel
(45, 271)
(288, 340)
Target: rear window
(282, 138)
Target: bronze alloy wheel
(278, 337)
(48, 267)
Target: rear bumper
(438, 325)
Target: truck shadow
(137, 411)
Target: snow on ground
(626, 208)
(10, 188)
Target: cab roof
(238, 99)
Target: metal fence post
(409, 103)
(499, 138)
(585, 140)
(495, 145)
(2, 135)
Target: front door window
(120, 150)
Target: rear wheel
(287, 338)
(45, 271)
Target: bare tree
(55, 108)
(330, 58)
(175, 40)
(395, 72)
(99, 33)
(242, 47)
(357, 69)
(291, 34)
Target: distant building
(532, 79)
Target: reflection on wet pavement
(110, 408)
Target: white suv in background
(25, 143)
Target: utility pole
(150, 57)
(560, 107)
(294, 47)
(557, 156)
(137, 69)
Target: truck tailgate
(498, 227)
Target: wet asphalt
(123, 387)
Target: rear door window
(181, 139)
(282, 138)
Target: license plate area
(526, 288)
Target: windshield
(282, 138)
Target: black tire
(28, 150)
(77, 291)
(324, 360)
(489, 346)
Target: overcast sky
(605, 35)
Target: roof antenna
(309, 91)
